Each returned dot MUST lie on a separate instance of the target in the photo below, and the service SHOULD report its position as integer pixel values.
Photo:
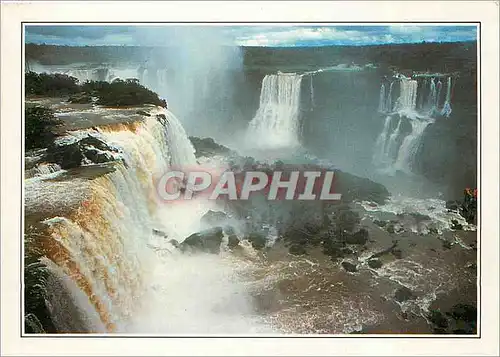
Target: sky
(258, 35)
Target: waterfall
(410, 145)
(276, 123)
(407, 101)
(439, 86)
(446, 111)
(111, 272)
(388, 105)
(392, 143)
(101, 245)
(182, 151)
(379, 156)
(382, 99)
(431, 100)
(312, 93)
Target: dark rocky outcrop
(160, 233)
(403, 294)
(257, 240)
(455, 225)
(359, 188)
(350, 267)
(359, 237)
(73, 155)
(460, 319)
(232, 241)
(212, 218)
(297, 249)
(208, 241)
(375, 263)
(208, 147)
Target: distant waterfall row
(419, 97)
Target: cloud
(284, 35)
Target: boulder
(403, 294)
(214, 218)
(232, 241)
(160, 233)
(175, 243)
(297, 249)
(208, 241)
(143, 113)
(349, 267)
(257, 240)
(375, 263)
(453, 205)
(207, 147)
(89, 149)
(455, 225)
(360, 237)
(397, 253)
(359, 188)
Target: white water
(276, 123)
(446, 111)
(392, 144)
(134, 280)
(380, 156)
(388, 105)
(382, 99)
(407, 101)
(410, 145)
(312, 94)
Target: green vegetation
(119, 93)
(39, 125)
(50, 84)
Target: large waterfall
(276, 123)
(113, 273)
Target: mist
(197, 72)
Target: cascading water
(379, 156)
(407, 101)
(120, 275)
(392, 143)
(276, 123)
(410, 145)
(312, 93)
(382, 100)
(446, 111)
(388, 105)
(182, 151)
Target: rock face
(212, 218)
(86, 150)
(80, 98)
(403, 294)
(359, 188)
(233, 241)
(207, 241)
(460, 319)
(349, 267)
(208, 147)
(375, 264)
(258, 240)
(360, 237)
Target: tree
(39, 127)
